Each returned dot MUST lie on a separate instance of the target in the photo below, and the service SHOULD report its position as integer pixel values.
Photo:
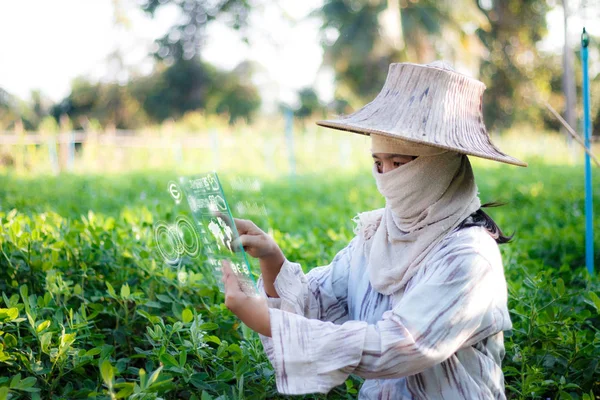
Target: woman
(417, 302)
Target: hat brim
(490, 153)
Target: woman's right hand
(255, 241)
(262, 246)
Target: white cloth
(395, 145)
(425, 200)
(440, 337)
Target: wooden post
(53, 154)
(20, 148)
(63, 142)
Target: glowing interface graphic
(207, 236)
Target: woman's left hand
(252, 311)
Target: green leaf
(187, 316)
(14, 382)
(571, 386)
(209, 326)
(26, 385)
(106, 370)
(3, 393)
(560, 286)
(164, 298)
(182, 358)
(125, 291)
(10, 340)
(30, 317)
(154, 376)
(213, 339)
(225, 376)
(77, 290)
(111, 290)
(42, 326)
(206, 396)
(24, 294)
(168, 360)
(143, 378)
(45, 342)
(66, 339)
(93, 352)
(126, 389)
(595, 300)
(8, 314)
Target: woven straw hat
(428, 104)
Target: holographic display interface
(208, 235)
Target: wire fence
(287, 151)
(290, 152)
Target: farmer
(417, 302)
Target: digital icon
(221, 232)
(213, 183)
(174, 191)
(194, 206)
(216, 203)
(174, 241)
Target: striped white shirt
(440, 337)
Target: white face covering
(425, 200)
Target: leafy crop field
(89, 311)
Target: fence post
(71, 151)
(21, 147)
(177, 153)
(289, 135)
(587, 132)
(53, 154)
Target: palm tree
(361, 39)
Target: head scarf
(425, 200)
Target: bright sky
(55, 41)
(63, 39)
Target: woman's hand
(253, 311)
(262, 246)
(254, 240)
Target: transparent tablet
(201, 231)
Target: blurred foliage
(184, 39)
(309, 103)
(170, 92)
(361, 39)
(513, 62)
(496, 40)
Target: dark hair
(480, 218)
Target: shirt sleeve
(436, 317)
(320, 294)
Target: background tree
(513, 61)
(361, 39)
(309, 103)
(184, 40)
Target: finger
(247, 241)
(232, 284)
(226, 267)
(244, 225)
(225, 218)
